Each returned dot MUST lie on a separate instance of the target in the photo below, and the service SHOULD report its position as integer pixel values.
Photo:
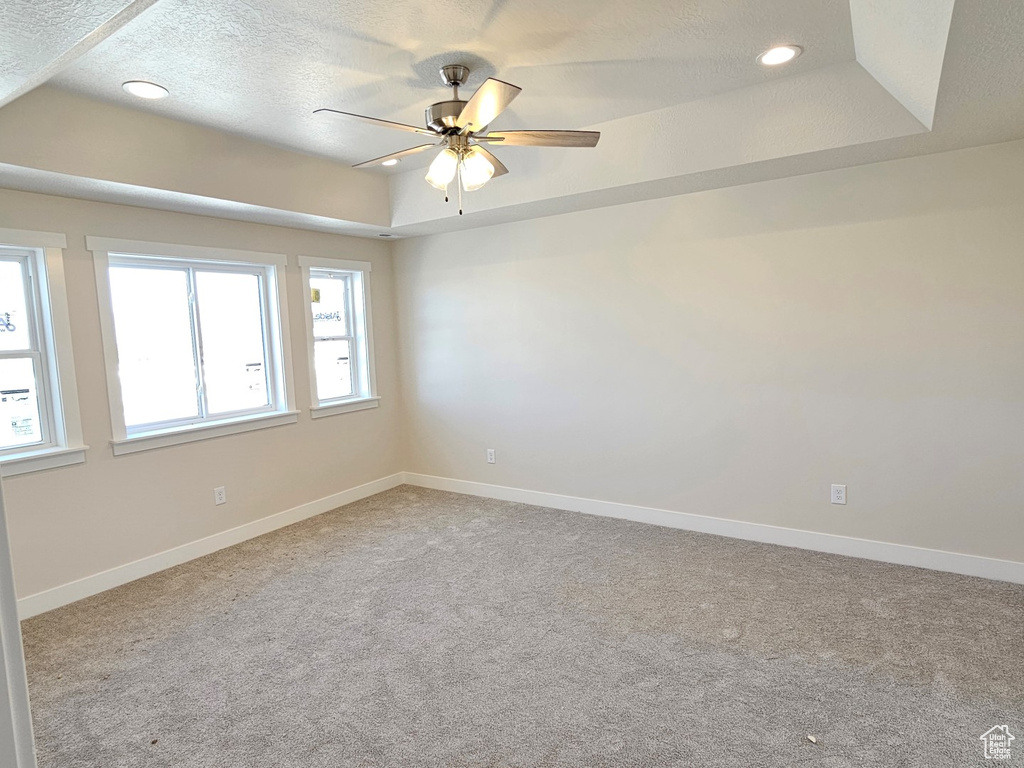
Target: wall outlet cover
(838, 494)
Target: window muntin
(26, 410)
(195, 341)
(341, 348)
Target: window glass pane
(153, 326)
(19, 403)
(231, 328)
(333, 369)
(330, 305)
(14, 320)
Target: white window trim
(277, 324)
(349, 405)
(67, 448)
(146, 441)
(363, 330)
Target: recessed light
(389, 163)
(780, 54)
(145, 90)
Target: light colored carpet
(422, 628)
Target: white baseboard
(900, 554)
(33, 605)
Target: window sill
(45, 458)
(149, 440)
(347, 406)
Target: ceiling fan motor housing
(441, 116)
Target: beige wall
(733, 353)
(76, 521)
(729, 353)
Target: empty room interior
(507, 383)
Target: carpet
(425, 628)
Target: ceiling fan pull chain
(460, 184)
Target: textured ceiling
(672, 86)
(38, 38)
(260, 67)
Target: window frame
(53, 359)
(362, 366)
(270, 267)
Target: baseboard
(33, 605)
(900, 554)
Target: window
(39, 421)
(194, 341)
(339, 332)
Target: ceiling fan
(462, 127)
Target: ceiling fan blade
(396, 155)
(543, 138)
(499, 167)
(378, 121)
(489, 101)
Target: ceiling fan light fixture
(477, 170)
(457, 125)
(780, 54)
(442, 170)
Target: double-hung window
(339, 328)
(39, 420)
(194, 339)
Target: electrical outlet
(490, 456)
(838, 494)
(220, 496)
